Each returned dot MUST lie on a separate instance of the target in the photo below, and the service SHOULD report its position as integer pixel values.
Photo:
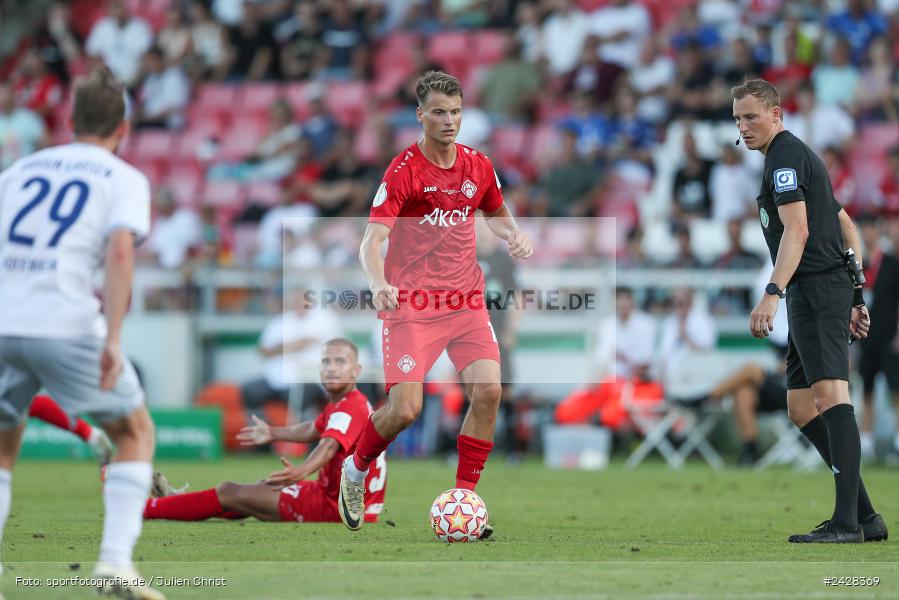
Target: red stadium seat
(153, 144)
(217, 97)
(268, 194)
(365, 146)
(405, 137)
(452, 51)
(348, 102)
(223, 194)
(507, 142)
(241, 139)
(185, 180)
(543, 145)
(297, 95)
(188, 144)
(489, 46)
(877, 139)
(259, 96)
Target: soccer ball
(458, 515)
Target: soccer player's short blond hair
(99, 104)
(757, 88)
(436, 81)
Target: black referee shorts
(818, 310)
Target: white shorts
(69, 370)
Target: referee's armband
(859, 298)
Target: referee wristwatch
(772, 289)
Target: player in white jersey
(63, 211)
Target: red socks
(195, 506)
(370, 446)
(45, 409)
(472, 456)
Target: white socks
(867, 442)
(5, 501)
(124, 496)
(352, 473)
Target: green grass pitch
(650, 533)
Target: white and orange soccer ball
(458, 515)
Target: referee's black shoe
(827, 532)
(875, 528)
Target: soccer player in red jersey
(429, 290)
(287, 495)
(45, 409)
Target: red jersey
(344, 421)
(431, 254)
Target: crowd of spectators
(587, 107)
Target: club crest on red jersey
(469, 189)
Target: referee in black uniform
(805, 229)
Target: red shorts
(306, 502)
(411, 348)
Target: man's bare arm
(792, 244)
(384, 295)
(850, 235)
(116, 296)
(503, 225)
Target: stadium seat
(544, 145)
(507, 143)
(452, 51)
(258, 97)
(298, 96)
(264, 193)
(185, 180)
(877, 139)
(365, 144)
(708, 239)
(405, 137)
(347, 102)
(489, 45)
(694, 374)
(153, 144)
(241, 139)
(226, 397)
(223, 194)
(214, 99)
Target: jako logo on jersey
(430, 188)
(446, 218)
(381, 196)
(468, 188)
(763, 215)
(406, 363)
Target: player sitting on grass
(287, 495)
(45, 409)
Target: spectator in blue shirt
(858, 26)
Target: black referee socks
(815, 431)
(845, 458)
